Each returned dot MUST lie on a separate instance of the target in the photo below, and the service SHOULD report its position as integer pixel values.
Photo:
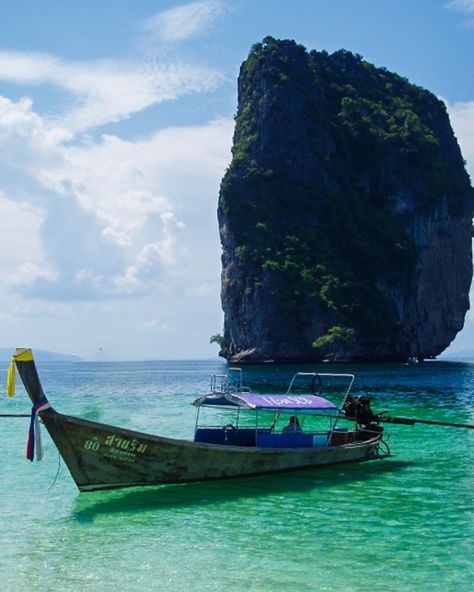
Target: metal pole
(352, 377)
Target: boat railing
(319, 377)
(219, 383)
(231, 382)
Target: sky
(116, 122)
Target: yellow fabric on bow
(11, 380)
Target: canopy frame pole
(197, 423)
(275, 419)
(352, 378)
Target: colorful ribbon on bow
(34, 434)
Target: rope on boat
(59, 456)
(57, 474)
(386, 448)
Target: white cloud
(169, 250)
(153, 259)
(42, 309)
(186, 21)
(154, 324)
(90, 221)
(203, 290)
(24, 135)
(16, 115)
(470, 314)
(19, 229)
(27, 312)
(461, 115)
(465, 6)
(29, 273)
(112, 210)
(129, 185)
(128, 283)
(104, 91)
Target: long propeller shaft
(409, 421)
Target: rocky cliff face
(345, 216)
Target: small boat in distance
(251, 441)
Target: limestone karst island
(345, 215)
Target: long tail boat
(101, 456)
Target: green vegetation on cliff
(326, 148)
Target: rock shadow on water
(138, 499)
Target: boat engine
(359, 409)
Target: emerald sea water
(405, 523)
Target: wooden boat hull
(100, 456)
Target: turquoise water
(404, 523)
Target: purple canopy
(304, 402)
(290, 402)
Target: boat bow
(25, 364)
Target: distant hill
(41, 355)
